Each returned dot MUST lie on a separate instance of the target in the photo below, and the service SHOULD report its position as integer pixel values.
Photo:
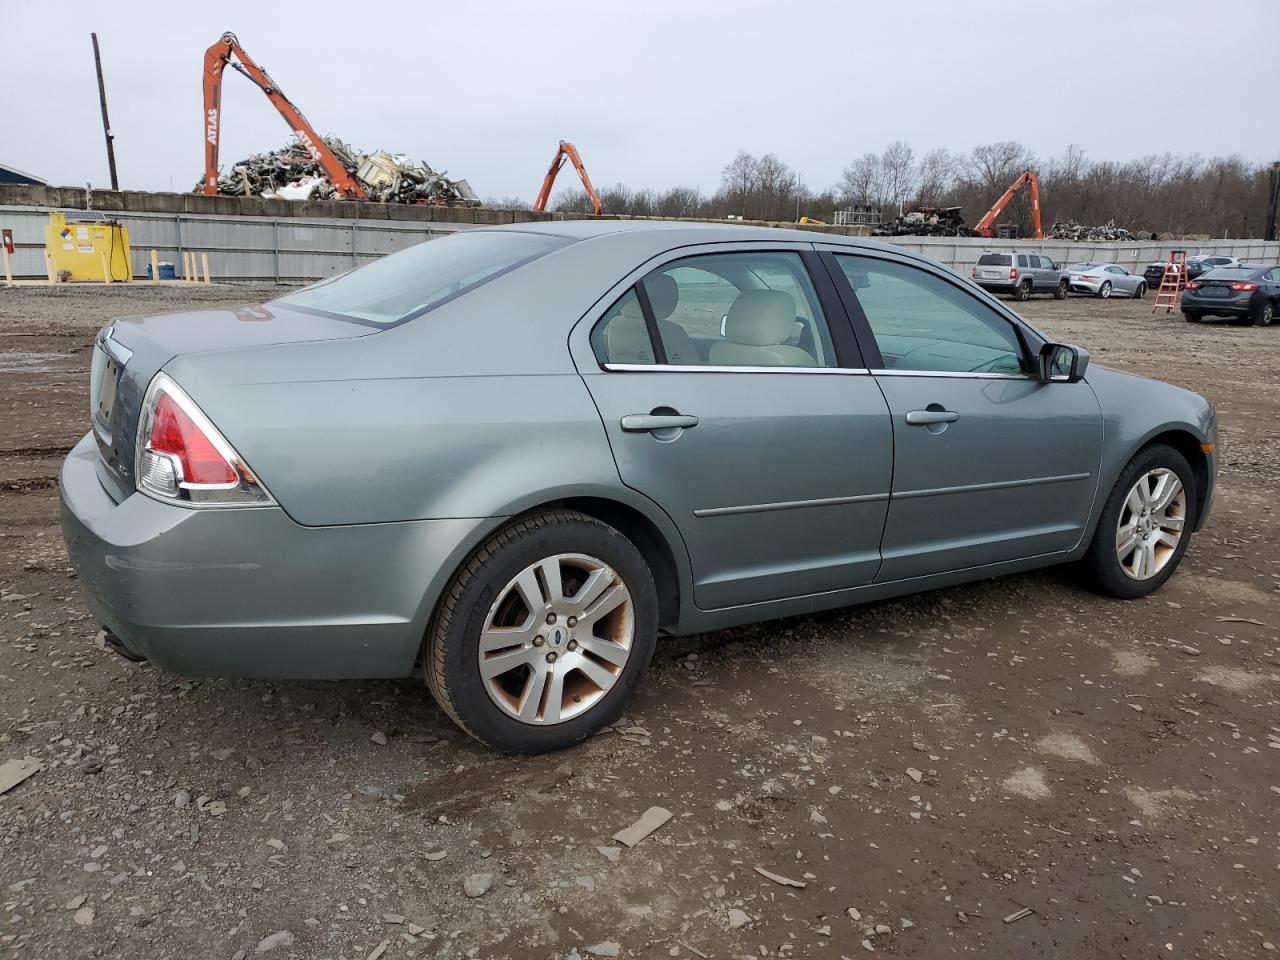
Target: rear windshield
(1229, 273)
(995, 260)
(407, 284)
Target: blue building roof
(12, 175)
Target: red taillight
(1193, 284)
(1244, 286)
(173, 432)
(1013, 273)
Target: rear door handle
(648, 422)
(918, 418)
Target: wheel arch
(1191, 448)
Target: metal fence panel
(290, 250)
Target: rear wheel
(1104, 291)
(1145, 525)
(1060, 293)
(1023, 291)
(1192, 317)
(1266, 313)
(543, 633)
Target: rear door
(767, 443)
(990, 464)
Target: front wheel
(1104, 291)
(543, 633)
(1140, 292)
(1145, 525)
(1265, 314)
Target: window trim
(866, 336)
(849, 358)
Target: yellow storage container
(87, 245)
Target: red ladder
(1172, 280)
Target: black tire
(1100, 563)
(1266, 314)
(1022, 291)
(1060, 292)
(1192, 317)
(1140, 292)
(450, 653)
(1104, 291)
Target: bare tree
(936, 175)
(898, 169)
(862, 181)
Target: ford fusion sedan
(1246, 292)
(515, 456)
(1105, 280)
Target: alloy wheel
(1151, 523)
(557, 639)
(1104, 291)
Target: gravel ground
(1015, 768)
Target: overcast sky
(654, 93)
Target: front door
(730, 401)
(990, 464)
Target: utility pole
(106, 124)
(1273, 200)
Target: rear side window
(622, 336)
(1022, 260)
(745, 309)
(407, 284)
(995, 260)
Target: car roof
(677, 233)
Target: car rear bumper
(249, 592)
(1218, 306)
(1084, 286)
(998, 286)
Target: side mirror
(1063, 363)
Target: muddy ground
(926, 768)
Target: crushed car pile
(291, 173)
(1080, 232)
(926, 222)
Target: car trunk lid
(129, 352)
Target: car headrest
(761, 318)
(664, 294)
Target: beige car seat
(754, 330)
(628, 339)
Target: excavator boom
(1028, 177)
(216, 59)
(566, 151)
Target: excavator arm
(566, 151)
(1029, 178)
(216, 59)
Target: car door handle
(919, 418)
(648, 422)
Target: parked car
(1244, 292)
(517, 454)
(1020, 274)
(1105, 280)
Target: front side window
(924, 323)
(407, 284)
(748, 309)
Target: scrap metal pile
(1080, 232)
(926, 222)
(292, 173)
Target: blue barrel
(166, 271)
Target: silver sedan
(1105, 280)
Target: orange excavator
(1028, 177)
(216, 59)
(566, 152)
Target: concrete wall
(283, 241)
